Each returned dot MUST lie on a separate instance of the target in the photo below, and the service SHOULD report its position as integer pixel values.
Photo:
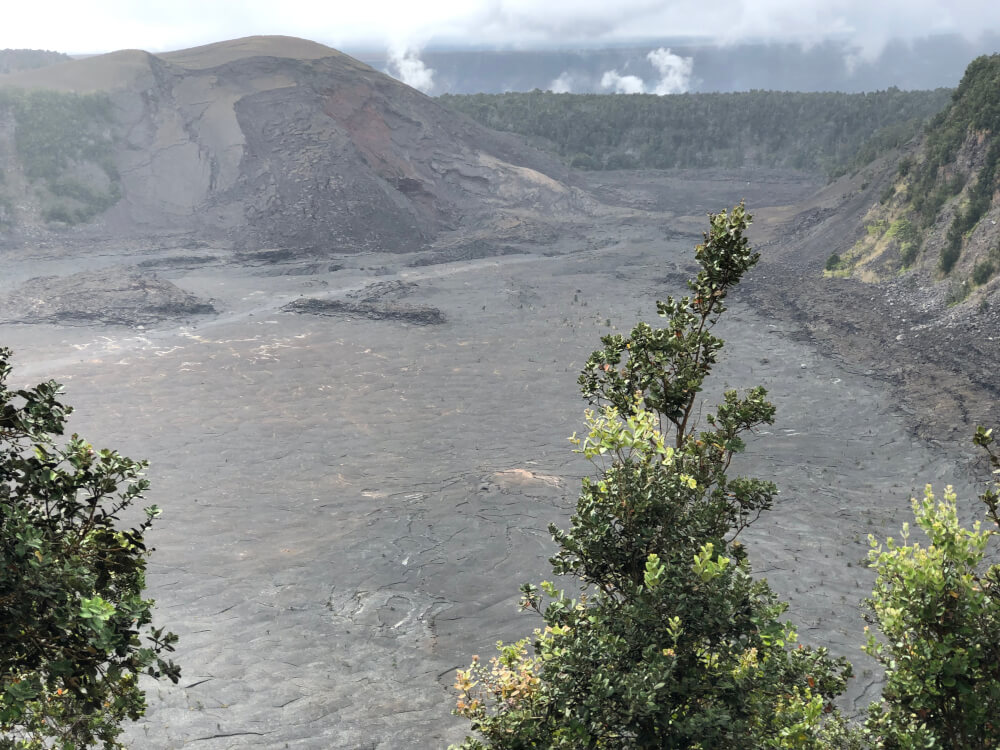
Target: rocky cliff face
(936, 211)
(274, 142)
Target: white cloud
(675, 71)
(675, 76)
(406, 65)
(103, 25)
(620, 84)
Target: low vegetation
(829, 132)
(936, 606)
(974, 110)
(671, 642)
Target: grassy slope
(940, 211)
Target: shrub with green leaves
(950, 252)
(937, 605)
(74, 627)
(908, 252)
(670, 642)
(972, 120)
(983, 271)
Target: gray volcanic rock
(279, 142)
(379, 301)
(111, 296)
(421, 315)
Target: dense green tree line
(829, 132)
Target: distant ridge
(109, 72)
(122, 68)
(220, 53)
(13, 60)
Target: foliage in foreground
(671, 643)
(71, 581)
(938, 609)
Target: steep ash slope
(274, 141)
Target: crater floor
(351, 503)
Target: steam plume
(405, 64)
(563, 84)
(612, 79)
(675, 71)
(675, 75)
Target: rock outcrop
(110, 296)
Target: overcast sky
(83, 26)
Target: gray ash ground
(351, 504)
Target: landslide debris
(895, 270)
